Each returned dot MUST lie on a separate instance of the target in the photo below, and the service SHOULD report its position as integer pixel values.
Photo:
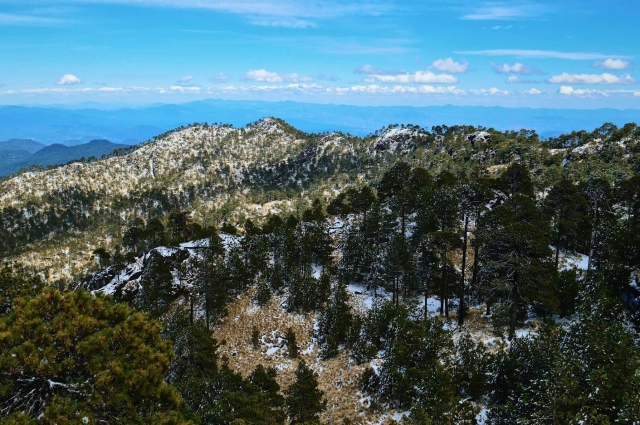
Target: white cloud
(515, 79)
(186, 79)
(516, 68)
(450, 66)
(368, 69)
(372, 70)
(183, 89)
(570, 91)
(636, 94)
(284, 13)
(285, 23)
(606, 78)
(221, 77)
(613, 64)
(273, 77)
(532, 90)
(346, 90)
(551, 54)
(419, 77)
(68, 80)
(493, 12)
(491, 92)
(111, 89)
(13, 19)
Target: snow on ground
(433, 305)
(229, 241)
(482, 416)
(571, 260)
(317, 271)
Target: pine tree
(75, 353)
(265, 379)
(195, 363)
(212, 281)
(564, 205)
(291, 343)
(335, 323)
(304, 401)
(156, 291)
(16, 283)
(516, 250)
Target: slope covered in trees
(432, 277)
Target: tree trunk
(444, 273)
(191, 308)
(476, 251)
(426, 299)
(461, 307)
(206, 311)
(594, 230)
(558, 242)
(445, 283)
(515, 298)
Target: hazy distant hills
(131, 125)
(27, 145)
(20, 153)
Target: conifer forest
(264, 275)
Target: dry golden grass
(337, 377)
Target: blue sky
(559, 54)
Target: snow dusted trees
(65, 357)
(515, 247)
(585, 373)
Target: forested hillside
(452, 275)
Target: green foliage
(74, 354)
(417, 360)
(291, 343)
(304, 401)
(587, 372)
(232, 399)
(15, 282)
(255, 338)
(195, 364)
(335, 323)
(470, 367)
(156, 290)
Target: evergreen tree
(103, 257)
(265, 379)
(234, 400)
(304, 401)
(156, 291)
(335, 323)
(291, 343)
(516, 250)
(74, 354)
(446, 210)
(134, 235)
(155, 233)
(195, 363)
(213, 281)
(564, 205)
(15, 283)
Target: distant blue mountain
(26, 145)
(53, 124)
(12, 161)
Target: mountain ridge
(141, 123)
(54, 154)
(226, 174)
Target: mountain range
(132, 125)
(16, 154)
